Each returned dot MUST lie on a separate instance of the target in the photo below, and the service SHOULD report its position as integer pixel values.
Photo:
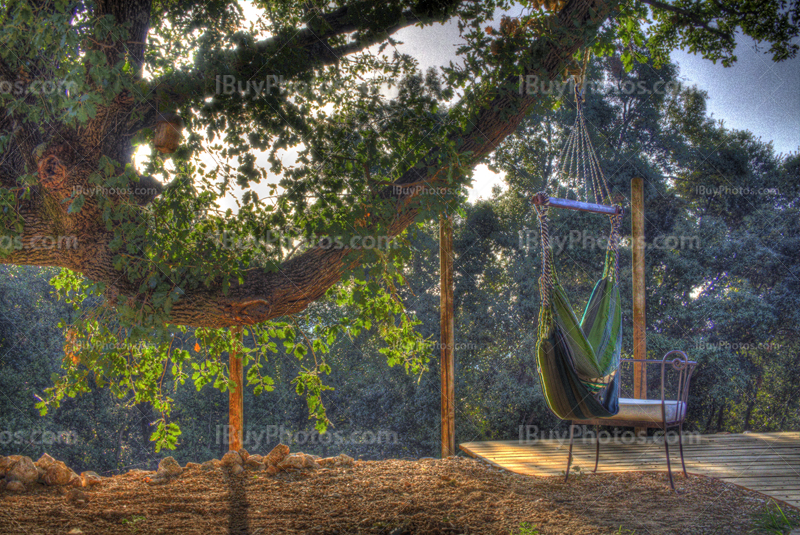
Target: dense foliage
(722, 233)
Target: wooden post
(639, 318)
(448, 335)
(236, 398)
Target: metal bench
(660, 414)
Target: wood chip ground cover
(394, 497)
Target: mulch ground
(452, 496)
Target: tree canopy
(146, 249)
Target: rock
(157, 480)
(45, 462)
(255, 457)
(345, 460)
(168, 468)
(230, 459)
(236, 469)
(254, 465)
(23, 470)
(58, 473)
(271, 470)
(244, 455)
(15, 486)
(90, 479)
(5, 462)
(291, 461)
(277, 455)
(75, 531)
(340, 460)
(77, 497)
(75, 480)
(298, 461)
(213, 464)
(191, 466)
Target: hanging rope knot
(612, 256)
(579, 99)
(546, 280)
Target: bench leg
(569, 457)
(597, 447)
(669, 468)
(680, 447)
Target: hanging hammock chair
(578, 360)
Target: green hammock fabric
(578, 361)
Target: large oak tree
(85, 84)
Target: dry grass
(390, 497)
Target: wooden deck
(766, 462)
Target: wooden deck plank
(733, 456)
(790, 453)
(749, 464)
(766, 462)
(767, 446)
(786, 482)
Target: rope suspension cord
(578, 360)
(579, 170)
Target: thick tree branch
(306, 278)
(137, 14)
(307, 49)
(690, 17)
(66, 164)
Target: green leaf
(76, 204)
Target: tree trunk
(751, 404)
(720, 418)
(711, 413)
(145, 417)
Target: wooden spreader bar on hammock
(543, 200)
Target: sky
(754, 94)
